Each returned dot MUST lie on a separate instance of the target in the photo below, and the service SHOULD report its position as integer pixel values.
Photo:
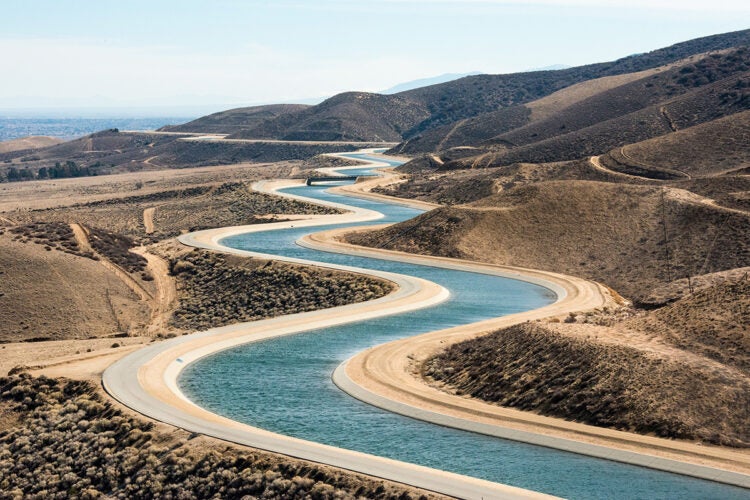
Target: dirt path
(166, 291)
(83, 242)
(685, 196)
(148, 219)
(452, 131)
(595, 162)
(149, 161)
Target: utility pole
(667, 256)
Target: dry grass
(712, 148)
(552, 372)
(682, 371)
(50, 294)
(26, 143)
(713, 322)
(18, 197)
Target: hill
(112, 151)
(719, 147)
(713, 87)
(28, 143)
(631, 237)
(475, 95)
(406, 115)
(235, 120)
(635, 374)
(424, 82)
(352, 116)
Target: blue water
(284, 385)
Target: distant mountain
(478, 102)
(426, 82)
(351, 116)
(553, 67)
(599, 115)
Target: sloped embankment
(626, 376)
(632, 238)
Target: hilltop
(28, 143)
(236, 120)
(415, 116)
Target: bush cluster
(57, 235)
(60, 439)
(535, 368)
(216, 289)
(116, 248)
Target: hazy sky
(230, 52)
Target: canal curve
(283, 384)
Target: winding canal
(284, 384)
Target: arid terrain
(119, 455)
(633, 173)
(90, 271)
(659, 214)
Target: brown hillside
(583, 373)
(371, 117)
(616, 369)
(111, 151)
(427, 180)
(612, 233)
(486, 126)
(352, 116)
(717, 147)
(632, 96)
(714, 87)
(476, 95)
(28, 143)
(713, 322)
(233, 121)
(51, 294)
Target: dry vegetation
(27, 144)
(714, 148)
(630, 237)
(637, 374)
(56, 287)
(61, 439)
(176, 211)
(52, 235)
(216, 289)
(110, 151)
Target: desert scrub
(60, 439)
(229, 204)
(537, 369)
(216, 289)
(52, 235)
(116, 248)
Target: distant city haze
(188, 58)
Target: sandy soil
(70, 358)
(30, 195)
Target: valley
(615, 196)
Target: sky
(189, 54)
